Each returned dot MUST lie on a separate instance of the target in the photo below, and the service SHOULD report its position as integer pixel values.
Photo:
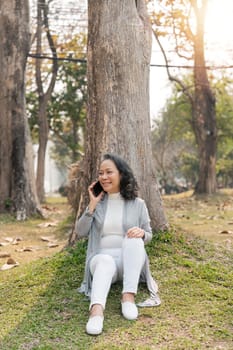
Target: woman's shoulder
(137, 201)
(136, 206)
(140, 199)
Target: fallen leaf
(47, 238)
(9, 239)
(3, 244)
(8, 267)
(25, 249)
(225, 232)
(53, 245)
(4, 255)
(9, 264)
(212, 217)
(17, 240)
(47, 224)
(11, 261)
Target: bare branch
(54, 53)
(185, 88)
(188, 34)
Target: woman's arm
(83, 224)
(143, 229)
(145, 223)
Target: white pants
(112, 265)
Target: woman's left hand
(135, 232)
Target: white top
(112, 235)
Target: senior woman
(117, 224)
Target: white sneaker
(129, 310)
(94, 325)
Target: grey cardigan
(135, 213)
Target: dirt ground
(22, 242)
(209, 217)
(34, 239)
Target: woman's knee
(104, 262)
(133, 248)
(136, 243)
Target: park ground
(40, 308)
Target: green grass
(40, 308)
(6, 218)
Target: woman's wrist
(91, 207)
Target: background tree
(17, 187)
(45, 88)
(118, 120)
(186, 20)
(173, 140)
(173, 143)
(66, 109)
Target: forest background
(191, 134)
(174, 146)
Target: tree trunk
(203, 112)
(43, 139)
(118, 120)
(43, 96)
(16, 178)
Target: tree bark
(16, 177)
(118, 120)
(204, 113)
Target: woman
(118, 226)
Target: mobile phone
(97, 189)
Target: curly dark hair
(128, 183)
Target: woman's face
(109, 176)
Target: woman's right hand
(94, 200)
